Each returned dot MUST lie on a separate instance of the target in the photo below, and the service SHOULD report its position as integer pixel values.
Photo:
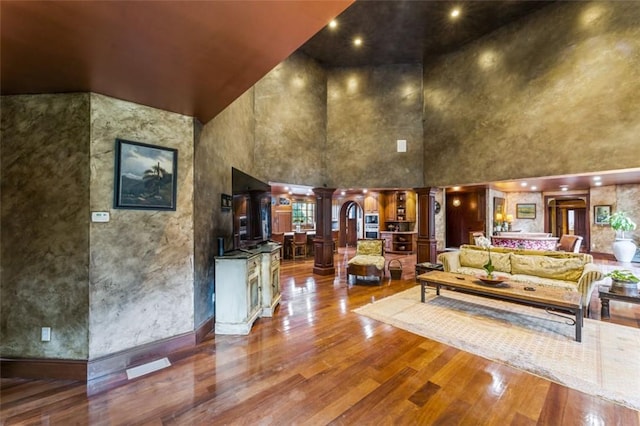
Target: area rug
(606, 363)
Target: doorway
(350, 224)
(465, 214)
(568, 215)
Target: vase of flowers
(485, 243)
(623, 248)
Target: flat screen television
(251, 210)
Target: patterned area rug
(605, 364)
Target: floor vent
(147, 368)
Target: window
(304, 213)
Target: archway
(568, 215)
(350, 224)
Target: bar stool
(278, 237)
(299, 245)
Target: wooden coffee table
(512, 291)
(607, 293)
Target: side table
(606, 294)
(424, 267)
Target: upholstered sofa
(571, 271)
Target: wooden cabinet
(411, 206)
(399, 242)
(371, 203)
(390, 207)
(238, 295)
(401, 206)
(388, 240)
(270, 279)
(247, 287)
(282, 221)
(403, 242)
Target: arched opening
(568, 215)
(351, 225)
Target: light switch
(402, 145)
(100, 216)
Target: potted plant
(623, 279)
(623, 248)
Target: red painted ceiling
(189, 57)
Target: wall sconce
(456, 202)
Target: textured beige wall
(226, 141)
(526, 225)
(554, 94)
(621, 198)
(291, 123)
(368, 110)
(45, 225)
(142, 260)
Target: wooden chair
(369, 260)
(334, 236)
(570, 243)
(299, 245)
(474, 235)
(278, 237)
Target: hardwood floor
(316, 362)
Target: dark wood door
(580, 228)
(352, 232)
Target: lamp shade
(498, 216)
(509, 218)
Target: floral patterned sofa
(571, 271)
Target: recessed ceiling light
(364, 191)
(596, 178)
(455, 13)
(533, 188)
(286, 188)
(342, 193)
(333, 24)
(357, 41)
(523, 184)
(598, 183)
(564, 188)
(456, 188)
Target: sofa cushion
(567, 269)
(477, 259)
(548, 282)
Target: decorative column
(323, 242)
(426, 242)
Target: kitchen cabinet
(371, 203)
(388, 240)
(399, 242)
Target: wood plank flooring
(316, 362)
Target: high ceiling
(404, 32)
(189, 57)
(196, 57)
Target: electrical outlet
(45, 334)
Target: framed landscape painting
(145, 176)
(601, 214)
(526, 211)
